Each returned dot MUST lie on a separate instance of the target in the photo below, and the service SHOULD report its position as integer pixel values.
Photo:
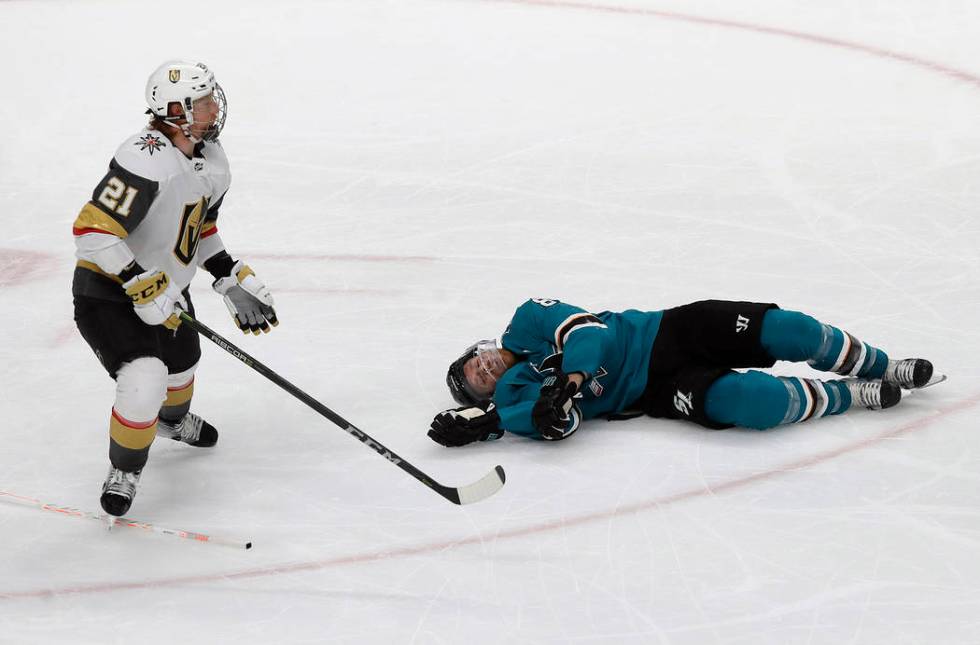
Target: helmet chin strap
(185, 129)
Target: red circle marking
(816, 39)
(543, 527)
(19, 267)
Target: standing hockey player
(151, 222)
(558, 364)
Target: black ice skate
(118, 491)
(191, 429)
(874, 395)
(910, 373)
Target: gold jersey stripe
(92, 266)
(179, 395)
(132, 438)
(93, 218)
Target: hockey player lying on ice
(558, 364)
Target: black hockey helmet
(461, 389)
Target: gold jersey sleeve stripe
(134, 436)
(92, 266)
(93, 219)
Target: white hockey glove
(155, 298)
(248, 299)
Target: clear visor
(481, 369)
(488, 358)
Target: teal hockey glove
(460, 426)
(550, 414)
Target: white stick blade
(484, 488)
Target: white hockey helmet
(183, 82)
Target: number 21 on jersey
(110, 196)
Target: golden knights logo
(150, 142)
(174, 75)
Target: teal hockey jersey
(611, 348)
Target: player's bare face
(482, 375)
(205, 113)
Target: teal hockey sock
(793, 336)
(758, 400)
(813, 398)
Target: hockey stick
(478, 490)
(122, 521)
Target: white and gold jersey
(155, 206)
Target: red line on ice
(19, 267)
(338, 257)
(932, 66)
(543, 527)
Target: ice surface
(405, 174)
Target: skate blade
(935, 380)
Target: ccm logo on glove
(155, 298)
(148, 288)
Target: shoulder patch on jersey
(137, 155)
(151, 142)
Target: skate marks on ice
(468, 494)
(563, 523)
(342, 257)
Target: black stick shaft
(362, 436)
